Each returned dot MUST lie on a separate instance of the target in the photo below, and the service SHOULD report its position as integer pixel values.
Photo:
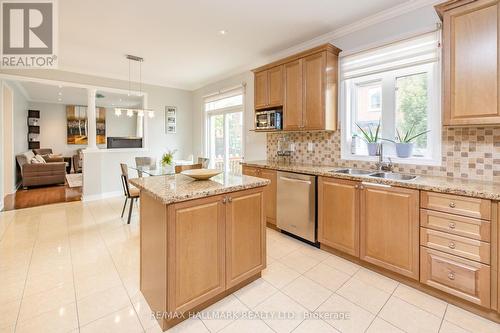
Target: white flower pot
(404, 150)
(373, 148)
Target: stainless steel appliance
(268, 120)
(296, 204)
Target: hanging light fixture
(130, 112)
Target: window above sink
(398, 87)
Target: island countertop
(176, 188)
(466, 187)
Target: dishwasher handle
(296, 180)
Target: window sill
(395, 160)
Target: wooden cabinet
(292, 112)
(196, 252)
(470, 62)
(268, 87)
(338, 214)
(456, 204)
(308, 92)
(269, 191)
(245, 236)
(213, 244)
(389, 228)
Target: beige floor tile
(47, 300)
(299, 261)
(123, 321)
(8, 329)
(277, 249)
(191, 325)
(272, 312)
(8, 313)
(37, 283)
(377, 280)
(307, 293)
(212, 318)
(101, 303)
(11, 292)
(98, 282)
(381, 326)
(279, 275)
(327, 276)
(62, 319)
(408, 317)
(470, 321)
(247, 326)
(426, 302)
(341, 264)
(313, 252)
(447, 327)
(255, 293)
(347, 317)
(365, 295)
(316, 326)
(144, 312)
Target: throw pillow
(39, 159)
(29, 156)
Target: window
(398, 87)
(224, 130)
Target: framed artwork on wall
(170, 119)
(77, 125)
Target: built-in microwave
(268, 120)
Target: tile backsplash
(471, 153)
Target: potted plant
(168, 158)
(405, 143)
(371, 138)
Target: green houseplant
(371, 137)
(168, 158)
(405, 143)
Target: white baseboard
(101, 196)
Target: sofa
(47, 155)
(36, 174)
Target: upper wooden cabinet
(268, 88)
(307, 90)
(470, 62)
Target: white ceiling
(179, 40)
(46, 93)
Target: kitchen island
(199, 241)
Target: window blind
(417, 50)
(224, 94)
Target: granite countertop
(176, 188)
(472, 188)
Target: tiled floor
(74, 267)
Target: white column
(91, 119)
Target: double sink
(376, 174)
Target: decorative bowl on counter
(201, 174)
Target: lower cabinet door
(389, 228)
(338, 214)
(245, 236)
(195, 250)
(461, 277)
(269, 195)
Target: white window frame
(223, 111)
(389, 117)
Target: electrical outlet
(292, 147)
(310, 146)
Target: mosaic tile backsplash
(472, 153)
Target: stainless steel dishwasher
(296, 204)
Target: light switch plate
(310, 146)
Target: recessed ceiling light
(59, 99)
(60, 86)
(60, 93)
(222, 32)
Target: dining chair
(145, 161)
(180, 168)
(130, 193)
(204, 162)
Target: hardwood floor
(42, 196)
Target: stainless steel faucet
(381, 165)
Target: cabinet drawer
(454, 224)
(456, 204)
(463, 278)
(457, 245)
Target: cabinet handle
(229, 199)
(451, 225)
(224, 201)
(451, 275)
(452, 205)
(451, 245)
(356, 186)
